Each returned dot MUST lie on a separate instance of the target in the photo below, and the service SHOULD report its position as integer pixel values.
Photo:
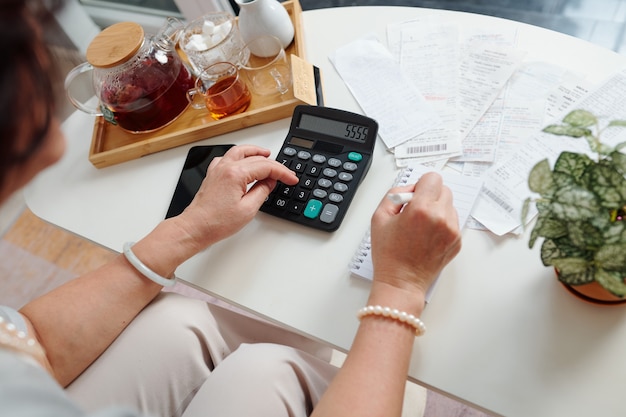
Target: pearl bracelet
(143, 269)
(401, 316)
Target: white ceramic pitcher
(264, 17)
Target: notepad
(465, 191)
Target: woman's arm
(76, 322)
(410, 246)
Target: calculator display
(335, 128)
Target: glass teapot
(141, 82)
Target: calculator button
(324, 183)
(290, 151)
(304, 155)
(285, 161)
(307, 183)
(350, 166)
(313, 170)
(334, 162)
(345, 177)
(329, 213)
(296, 206)
(329, 172)
(298, 166)
(286, 191)
(341, 187)
(280, 203)
(312, 209)
(301, 195)
(320, 159)
(355, 156)
(335, 198)
(319, 193)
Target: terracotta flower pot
(593, 293)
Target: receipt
(429, 53)
(499, 205)
(383, 91)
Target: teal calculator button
(355, 156)
(313, 209)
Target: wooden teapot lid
(115, 44)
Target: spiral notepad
(464, 189)
(361, 264)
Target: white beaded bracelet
(401, 316)
(143, 269)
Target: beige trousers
(184, 357)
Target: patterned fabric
(12, 316)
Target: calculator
(330, 150)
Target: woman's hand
(412, 243)
(226, 202)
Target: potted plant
(581, 210)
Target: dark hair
(26, 88)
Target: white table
(502, 334)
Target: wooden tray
(111, 145)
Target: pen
(400, 198)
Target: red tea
(148, 102)
(228, 96)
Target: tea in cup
(266, 66)
(223, 91)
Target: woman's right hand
(226, 202)
(412, 243)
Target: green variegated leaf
(608, 184)
(533, 238)
(574, 203)
(598, 147)
(562, 130)
(609, 197)
(615, 233)
(525, 210)
(580, 118)
(534, 234)
(617, 123)
(562, 248)
(544, 207)
(562, 179)
(540, 179)
(602, 221)
(574, 271)
(612, 257)
(584, 235)
(551, 228)
(618, 161)
(611, 281)
(549, 252)
(572, 164)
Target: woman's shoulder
(25, 387)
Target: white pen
(400, 198)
